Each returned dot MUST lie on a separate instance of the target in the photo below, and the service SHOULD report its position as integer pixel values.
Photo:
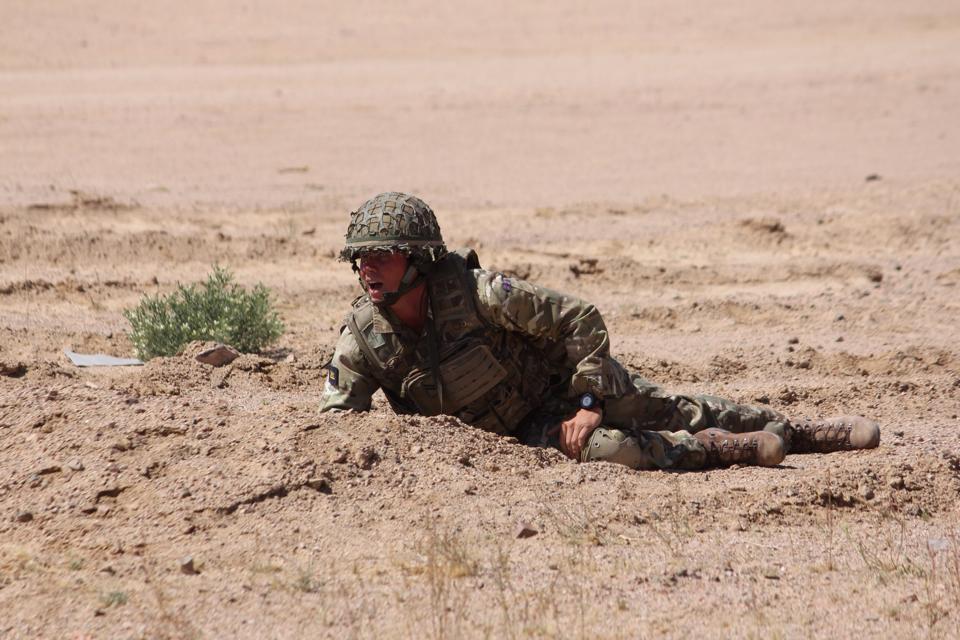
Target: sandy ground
(771, 192)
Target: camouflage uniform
(512, 357)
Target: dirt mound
(182, 373)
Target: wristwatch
(589, 401)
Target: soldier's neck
(411, 309)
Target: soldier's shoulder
(464, 259)
(360, 301)
(492, 288)
(361, 310)
(349, 348)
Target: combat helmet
(394, 221)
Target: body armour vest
(484, 375)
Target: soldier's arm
(349, 385)
(542, 313)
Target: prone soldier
(440, 335)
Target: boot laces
(831, 432)
(737, 448)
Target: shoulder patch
(333, 376)
(506, 284)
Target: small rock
(187, 567)
(24, 516)
(319, 484)
(524, 530)
(788, 396)
(866, 492)
(896, 482)
(471, 490)
(839, 317)
(290, 359)
(367, 458)
(48, 467)
(872, 177)
(464, 460)
(218, 355)
(123, 444)
(839, 338)
(107, 569)
(793, 341)
(12, 369)
(76, 465)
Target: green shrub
(217, 309)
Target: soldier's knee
(613, 445)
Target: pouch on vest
(466, 376)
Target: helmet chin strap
(411, 280)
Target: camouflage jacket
(503, 349)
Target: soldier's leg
(647, 428)
(634, 448)
(647, 406)
(679, 450)
(683, 450)
(645, 450)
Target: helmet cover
(394, 221)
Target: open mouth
(375, 286)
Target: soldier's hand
(575, 431)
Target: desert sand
(763, 200)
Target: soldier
(440, 335)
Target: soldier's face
(382, 272)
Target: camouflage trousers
(663, 424)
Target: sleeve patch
(333, 377)
(506, 285)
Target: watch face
(587, 401)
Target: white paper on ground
(99, 360)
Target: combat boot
(842, 433)
(755, 447)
